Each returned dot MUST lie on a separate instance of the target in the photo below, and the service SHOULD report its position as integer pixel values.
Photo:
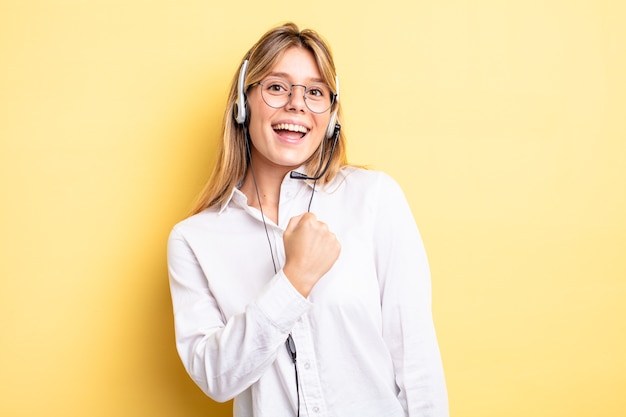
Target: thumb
(294, 221)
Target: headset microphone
(300, 176)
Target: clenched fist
(310, 250)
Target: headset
(241, 112)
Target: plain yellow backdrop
(502, 120)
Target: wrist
(298, 279)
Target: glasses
(276, 93)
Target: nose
(296, 100)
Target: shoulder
(364, 179)
(195, 224)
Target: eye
(275, 86)
(317, 91)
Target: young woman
(300, 284)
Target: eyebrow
(285, 75)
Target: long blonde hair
(232, 161)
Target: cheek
(256, 120)
(322, 125)
(255, 105)
(257, 135)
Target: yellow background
(502, 120)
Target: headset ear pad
(330, 130)
(240, 103)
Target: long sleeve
(405, 286)
(225, 356)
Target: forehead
(296, 64)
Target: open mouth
(290, 131)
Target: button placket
(310, 385)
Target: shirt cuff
(281, 303)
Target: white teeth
(289, 126)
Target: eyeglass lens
(276, 92)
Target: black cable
(308, 209)
(291, 346)
(267, 234)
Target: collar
(236, 196)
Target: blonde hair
(232, 161)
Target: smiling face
(284, 138)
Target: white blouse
(365, 341)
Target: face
(284, 138)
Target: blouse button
(307, 365)
(316, 409)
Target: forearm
(227, 359)
(225, 353)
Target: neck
(267, 184)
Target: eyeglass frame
(333, 95)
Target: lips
(290, 131)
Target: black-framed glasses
(276, 92)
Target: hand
(310, 250)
